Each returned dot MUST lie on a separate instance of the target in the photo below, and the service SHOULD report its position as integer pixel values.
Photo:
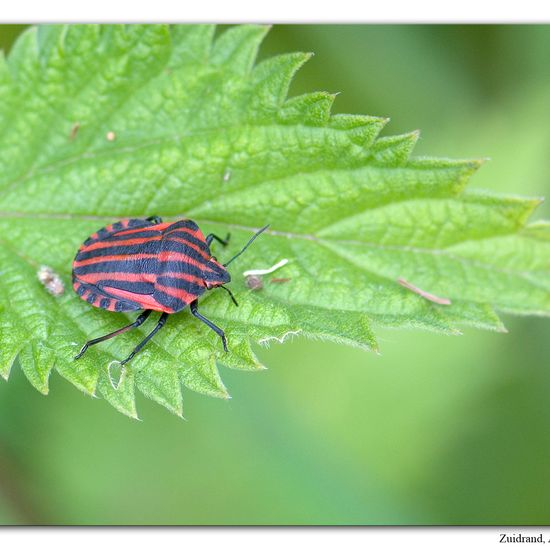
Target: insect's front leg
(212, 237)
(193, 306)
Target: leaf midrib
(320, 241)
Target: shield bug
(150, 265)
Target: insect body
(151, 265)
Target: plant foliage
(99, 123)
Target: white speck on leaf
(271, 269)
(51, 280)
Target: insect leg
(160, 324)
(212, 237)
(140, 320)
(154, 219)
(194, 310)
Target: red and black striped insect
(151, 265)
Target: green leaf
(100, 123)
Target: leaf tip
(395, 150)
(222, 393)
(412, 138)
(303, 58)
(478, 162)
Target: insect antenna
(246, 245)
(230, 294)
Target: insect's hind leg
(154, 219)
(193, 306)
(160, 324)
(139, 321)
(211, 237)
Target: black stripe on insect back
(169, 301)
(181, 284)
(145, 233)
(125, 305)
(187, 224)
(149, 230)
(184, 248)
(105, 232)
(148, 247)
(131, 286)
(129, 252)
(187, 237)
(129, 265)
(149, 265)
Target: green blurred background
(436, 430)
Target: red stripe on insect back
(197, 233)
(112, 258)
(153, 228)
(127, 242)
(178, 293)
(145, 300)
(99, 276)
(169, 256)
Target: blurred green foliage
(437, 429)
